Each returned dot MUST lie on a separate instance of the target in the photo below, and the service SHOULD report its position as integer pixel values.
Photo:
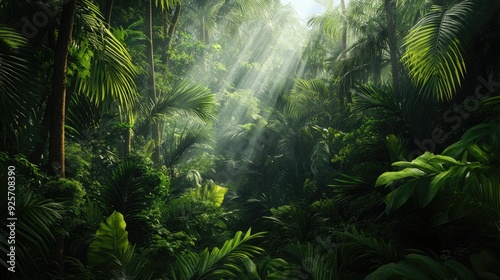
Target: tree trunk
(393, 45)
(170, 32)
(344, 26)
(128, 138)
(151, 78)
(58, 107)
(58, 96)
(109, 11)
(128, 143)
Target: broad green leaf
(111, 240)
(437, 184)
(388, 177)
(478, 153)
(397, 151)
(210, 192)
(399, 196)
(485, 264)
(461, 272)
(445, 160)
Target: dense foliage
(229, 139)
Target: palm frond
(330, 22)
(310, 265)
(126, 190)
(13, 76)
(34, 229)
(417, 266)
(416, 112)
(368, 253)
(223, 263)
(82, 118)
(371, 96)
(112, 73)
(178, 144)
(166, 4)
(192, 99)
(437, 46)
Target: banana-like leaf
(397, 151)
(111, 253)
(111, 240)
(485, 264)
(388, 177)
(210, 192)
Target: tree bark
(58, 107)
(151, 78)
(393, 45)
(58, 96)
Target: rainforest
(250, 139)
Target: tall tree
(393, 44)
(169, 29)
(58, 96)
(151, 85)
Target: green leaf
(397, 151)
(210, 192)
(485, 264)
(223, 263)
(399, 196)
(388, 177)
(111, 240)
(436, 46)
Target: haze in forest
(250, 139)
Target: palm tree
(186, 98)
(108, 80)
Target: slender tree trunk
(128, 139)
(347, 92)
(58, 106)
(344, 26)
(58, 97)
(377, 70)
(109, 11)
(393, 45)
(151, 78)
(170, 31)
